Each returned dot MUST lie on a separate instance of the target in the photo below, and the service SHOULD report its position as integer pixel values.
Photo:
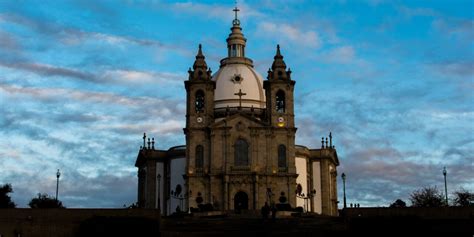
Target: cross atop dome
(236, 20)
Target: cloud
(8, 42)
(168, 127)
(212, 11)
(142, 77)
(82, 191)
(463, 69)
(80, 91)
(386, 147)
(342, 54)
(124, 76)
(60, 94)
(216, 11)
(72, 35)
(412, 12)
(76, 37)
(286, 32)
(375, 3)
(380, 175)
(37, 25)
(85, 134)
(77, 190)
(455, 28)
(50, 70)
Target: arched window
(280, 101)
(199, 101)
(233, 51)
(199, 156)
(281, 156)
(241, 154)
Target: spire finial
(149, 143)
(200, 62)
(144, 138)
(330, 139)
(322, 142)
(278, 55)
(279, 65)
(153, 143)
(199, 54)
(236, 20)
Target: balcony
(240, 169)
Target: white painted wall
(301, 170)
(177, 166)
(317, 186)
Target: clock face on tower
(199, 119)
(281, 122)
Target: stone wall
(410, 221)
(422, 212)
(78, 222)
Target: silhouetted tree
(132, 206)
(398, 203)
(5, 200)
(427, 197)
(463, 198)
(45, 201)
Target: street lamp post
(343, 176)
(310, 198)
(57, 183)
(158, 177)
(445, 185)
(178, 195)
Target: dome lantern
(236, 40)
(239, 87)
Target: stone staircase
(249, 224)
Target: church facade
(240, 147)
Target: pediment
(236, 119)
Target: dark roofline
(159, 155)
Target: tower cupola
(236, 40)
(278, 70)
(200, 70)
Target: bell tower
(199, 94)
(280, 118)
(199, 115)
(279, 94)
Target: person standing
(265, 211)
(274, 211)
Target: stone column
(226, 192)
(255, 192)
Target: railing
(199, 170)
(222, 112)
(240, 168)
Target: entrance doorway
(241, 201)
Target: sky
(80, 81)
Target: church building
(240, 147)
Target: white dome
(232, 78)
